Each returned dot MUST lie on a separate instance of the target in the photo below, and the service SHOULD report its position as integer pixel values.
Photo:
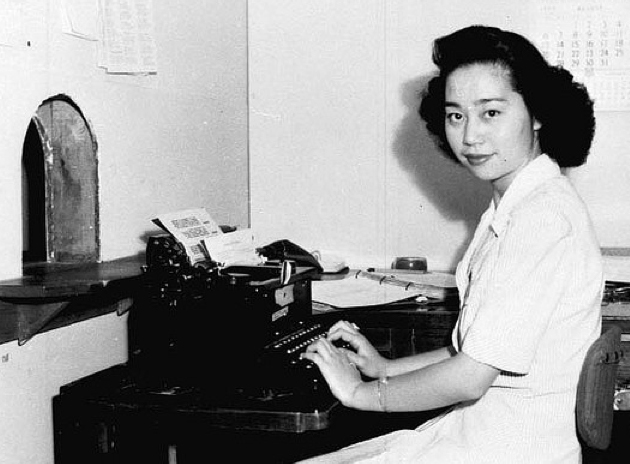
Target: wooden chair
(595, 394)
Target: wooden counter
(50, 296)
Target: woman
(530, 282)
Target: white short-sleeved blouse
(530, 287)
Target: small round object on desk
(412, 263)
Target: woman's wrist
(370, 396)
(360, 398)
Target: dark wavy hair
(561, 105)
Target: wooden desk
(106, 419)
(112, 417)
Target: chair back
(596, 389)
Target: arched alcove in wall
(60, 213)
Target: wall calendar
(590, 38)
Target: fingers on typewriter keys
(349, 326)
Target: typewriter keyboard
(295, 343)
(283, 371)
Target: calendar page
(590, 38)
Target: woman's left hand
(340, 373)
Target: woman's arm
(418, 361)
(369, 361)
(453, 380)
(420, 382)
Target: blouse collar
(537, 172)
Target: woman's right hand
(366, 358)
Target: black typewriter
(224, 330)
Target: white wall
(317, 122)
(31, 374)
(339, 158)
(168, 142)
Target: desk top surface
(121, 388)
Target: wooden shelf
(50, 296)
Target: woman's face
(488, 125)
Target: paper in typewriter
(190, 227)
(204, 240)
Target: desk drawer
(400, 333)
(397, 342)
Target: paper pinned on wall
(127, 44)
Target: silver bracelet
(380, 391)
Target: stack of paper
(354, 292)
(366, 288)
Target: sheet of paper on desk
(356, 292)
